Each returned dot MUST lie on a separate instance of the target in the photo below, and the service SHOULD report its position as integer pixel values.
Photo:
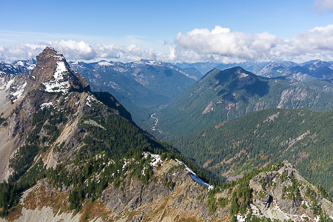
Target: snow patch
(19, 91)
(243, 75)
(10, 82)
(104, 63)
(20, 63)
(59, 84)
(240, 218)
(90, 99)
(31, 67)
(46, 105)
(124, 165)
(156, 158)
(195, 177)
(3, 84)
(58, 57)
(254, 209)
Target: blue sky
(191, 31)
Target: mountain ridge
(224, 95)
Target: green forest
(302, 137)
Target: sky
(220, 31)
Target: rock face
(285, 194)
(170, 196)
(21, 96)
(47, 64)
(159, 199)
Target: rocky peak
(53, 71)
(284, 194)
(46, 64)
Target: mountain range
(71, 152)
(141, 86)
(301, 71)
(227, 94)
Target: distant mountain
(18, 67)
(303, 71)
(141, 86)
(224, 95)
(233, 147)
(203, 67)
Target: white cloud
(20, 52)
(109, 51)
(150, 54)
(221, 45)
(323, 5)
(199, 45)
(219, 41)
(74, 50)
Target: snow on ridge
(20, 63)
(19, 91)
(147, 62)
(58, 57)
(3, 84)
(104, 63)
(10, 82)
(59, 84)
(156, 157)
(125, 164)
(90, 99)
(46, 105)
(31, 67)
(195, 177)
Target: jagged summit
(54, 73)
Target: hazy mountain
(301, 71)
(140, 86)
(18, 67)
(224, 95)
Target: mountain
(276, 192)
(224, 95)
(301, 71)
(233, 147)
(203, 67)
(140, 86)
(18, 67)
(56, 131)
(48, 115)
(69, 154)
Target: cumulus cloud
(109, 51)
(74, 49)
(18, 52)
(199, 45)
(77, 50)
(222, 45)
(221, 41)
(323, 5)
